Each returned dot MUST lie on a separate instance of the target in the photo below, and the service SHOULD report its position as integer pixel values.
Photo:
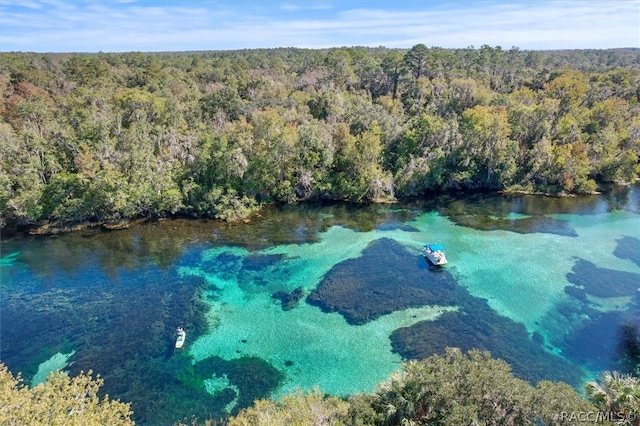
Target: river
(327, 295)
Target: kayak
(180, 339)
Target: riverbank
(56, 228)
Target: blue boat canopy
(436, 247)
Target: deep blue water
(327, 295)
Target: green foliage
(61, 400)
(473, 388)
(616, 393)
(88, 70)
(116, 136)
(222, 100)
(485, 131)
(297, 409)
(419, 159)
(416, 60)
(229, 205)
(62, 198)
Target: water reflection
(161, 243)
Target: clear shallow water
(312, 347)
(550, 285)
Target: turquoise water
(312, 347)
(328, 296)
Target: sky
(186, 25)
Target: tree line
(112, 136)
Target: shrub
(60, 400)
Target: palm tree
(616, 393)
(396, 399)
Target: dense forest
(107, 137)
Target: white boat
(435, 254)
(180, 339)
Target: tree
(20, 175)
(418, 159)
(314, 158)
(529, 117)
(393, 67)
(118, 136)
(222, 100)
(339, 64)
(88, 70)
(616, 393)
(61, 400)
(464, 94)
(486, 131)
(569, 87)
(270, 171)
(608, 131)
(416, 60)
(302, 409)
(368, 71)
(456, 388)
(357, 168)
(570, 169)
(62, 198)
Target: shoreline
(53, 228)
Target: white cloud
(290, 6)
(22, 3)
(172, 25)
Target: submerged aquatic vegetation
(116, 298)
